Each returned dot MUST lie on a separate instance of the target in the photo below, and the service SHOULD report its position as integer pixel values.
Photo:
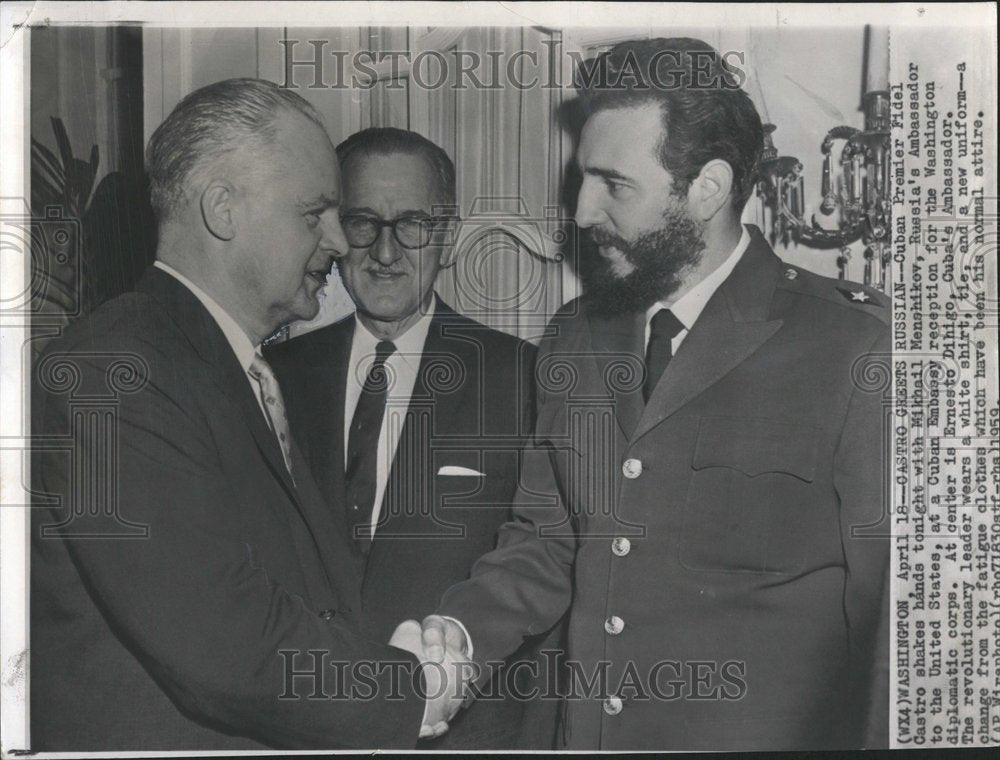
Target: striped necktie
(274, 407)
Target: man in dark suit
(190, 590)
(704, 492)
(418, 473)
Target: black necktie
(663, 328)
(362, 445)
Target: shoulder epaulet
(863, 298)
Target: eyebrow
(605, 173)
(320, 201)
(372, 212)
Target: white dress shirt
(402, 367)
(688, 307)
(238, 340)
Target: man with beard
(704, 490)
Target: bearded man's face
(645, 238)
(633, 275)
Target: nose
(333, 240)
(385, 249)
(589, 210)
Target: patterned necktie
(361, 472)
(663, 328)
(274, 407)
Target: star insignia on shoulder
(857, 296)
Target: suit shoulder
(849, 299)
(129, 342)
(491, 338)
(131, 320)
(572, 309)
(566, 315)
(306, 345)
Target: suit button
(621, 546)
(327, 614)
(613, 705)
(632, 468)
(614, 625)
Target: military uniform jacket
(722, 548)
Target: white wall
(805, 80)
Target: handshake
(443, 650)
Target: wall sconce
(858, 194)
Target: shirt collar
(409, 345)
(238, 340)
(689, 306)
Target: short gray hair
(209, 123)
(385, 141)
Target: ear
(711, 190)
(448, 257)
(449, 250)
(217, 210)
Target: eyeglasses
(362, 230)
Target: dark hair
(209, 123)
(384, 141)
(706, 114)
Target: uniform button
(621, 546)
(613, 705)
(355, 507)
(614, 625)
(327, 614)
(632, 468)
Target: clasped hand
(442, 649)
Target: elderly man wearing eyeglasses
(411, 415)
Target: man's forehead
(400, 163)
(626, 135)
(406, 177)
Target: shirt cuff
(468, 644)
(465, 632)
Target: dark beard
(659, 256)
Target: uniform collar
(689, 306)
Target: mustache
(604, 238)
(373, 267)
(658, 256)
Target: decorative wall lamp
(857, 197)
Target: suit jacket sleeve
(192, 602)
(859, 477)
(524, 586)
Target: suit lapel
(432, 408)
(619, 362)
(732, 326)
(331, 390)
(210, 343)
(326, 391)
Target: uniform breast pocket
(749, 496)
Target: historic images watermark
(323, 68)
(316, 674)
